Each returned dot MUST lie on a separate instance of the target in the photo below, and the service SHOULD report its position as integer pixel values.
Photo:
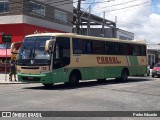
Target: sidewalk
(6, 81)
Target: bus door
(61, 58)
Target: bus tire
(73, 79)
(124, 76)
(48, 85)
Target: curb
(13, 83)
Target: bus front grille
(29, 78)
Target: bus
(50, 58)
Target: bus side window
(87, 47)
(124, 49)
(136, 50)
(111, 48)
(143, 50)
(98, 47)
(78, 46)
(81, 46)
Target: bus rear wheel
(124, 76)
(48, 85)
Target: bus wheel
(124, 76)
(47, 85)
(73, 79)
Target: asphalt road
(138, 94)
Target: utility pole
(89, 20)
(116, 27)
(103, 31)
(78, 16)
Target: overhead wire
(99, 2)
(93, 2)
(145, 15)
(119, 4)
(135, 5)
(129, 6)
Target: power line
(129, 6)
(119, 4)
(87, 8)
(144, 3)
(99, 2)
(133, 9)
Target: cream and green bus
(50, 58)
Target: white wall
(13, 19)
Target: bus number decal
(108, 60)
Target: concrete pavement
(4, 79)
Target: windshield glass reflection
(33, 48)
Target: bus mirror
(49, 44)
(15, 46)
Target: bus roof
(74, 35)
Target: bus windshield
(33, 48)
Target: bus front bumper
(35, 78)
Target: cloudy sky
(142, 17)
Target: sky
(141, 17)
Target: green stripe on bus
(59, 75)
(133, 60)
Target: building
(124, 35)
(153, 51)
(93, 25)
(108, 33)
(23, 17)
(97, 32)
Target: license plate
(30, 78)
